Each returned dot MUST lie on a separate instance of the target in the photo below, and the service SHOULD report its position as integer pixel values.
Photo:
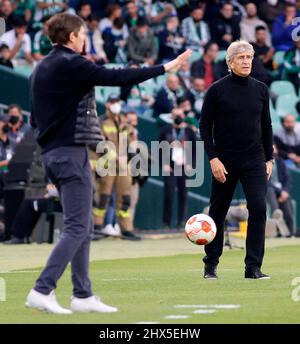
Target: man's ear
(72, 37)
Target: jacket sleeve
(266, 127)
(85, 72)
(207, 121)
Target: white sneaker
(118, 229)
(46, 303)
(110, 230)
(91, 304)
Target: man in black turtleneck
(237, 133)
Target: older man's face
(242, 63)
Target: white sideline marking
(126, 279)
(204, 311)
(209, 306)
(147, 322)
(19, 271)
(176, 316)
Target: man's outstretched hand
(174, 65)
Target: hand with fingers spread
(174, 65)
(218, 170)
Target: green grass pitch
(147, 289)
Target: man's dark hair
(142, 21)
(19, 22)
(260, 27)
(196, 5)
(118, 23)
(208, 45)
(61, 25)
(12, 106)
(225, 3)
(93, 17)
(82, 4)
(289, 4)
(3, 46)
(111, 8)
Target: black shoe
(128, 235)
(255, 274)
(210, 272)
(97, 235)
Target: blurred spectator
(146, 5)
(41, 43)
(98, 7)
(18, 42)
(93, 41)
(175, 134)
(184, 75)
(195, 30)
(249, 24)
(190, 117)
(115, 41)
(6, 150)
(225, 29)
(171, 42)
(278, 192)
(115, 129)
(259, 72)
(5, 56)
(291, 66)
(269, 9)
(84, 11)
(25, 8)
(160, 10)
(29, 213)
(133, 13)
(137, 181)
(17, 126)
(282, 29)
(113, 11)
(6, 12)
(196, 95)
(141, 45)
(206, 67)
(167, 97)
(263, 50)
(46, 8)
(287, 140)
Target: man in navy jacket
(64, 115)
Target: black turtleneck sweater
(235, 119)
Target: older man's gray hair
(237, 47)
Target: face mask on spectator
(178, 120)
(14, 119)
(115, 108)
(5, 129)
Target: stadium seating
(285, 104)
(282, 87)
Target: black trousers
(252, 174)
(171, 182)
(286, 207)
(29, 213)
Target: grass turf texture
(146, 289)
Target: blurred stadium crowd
(142, 33)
